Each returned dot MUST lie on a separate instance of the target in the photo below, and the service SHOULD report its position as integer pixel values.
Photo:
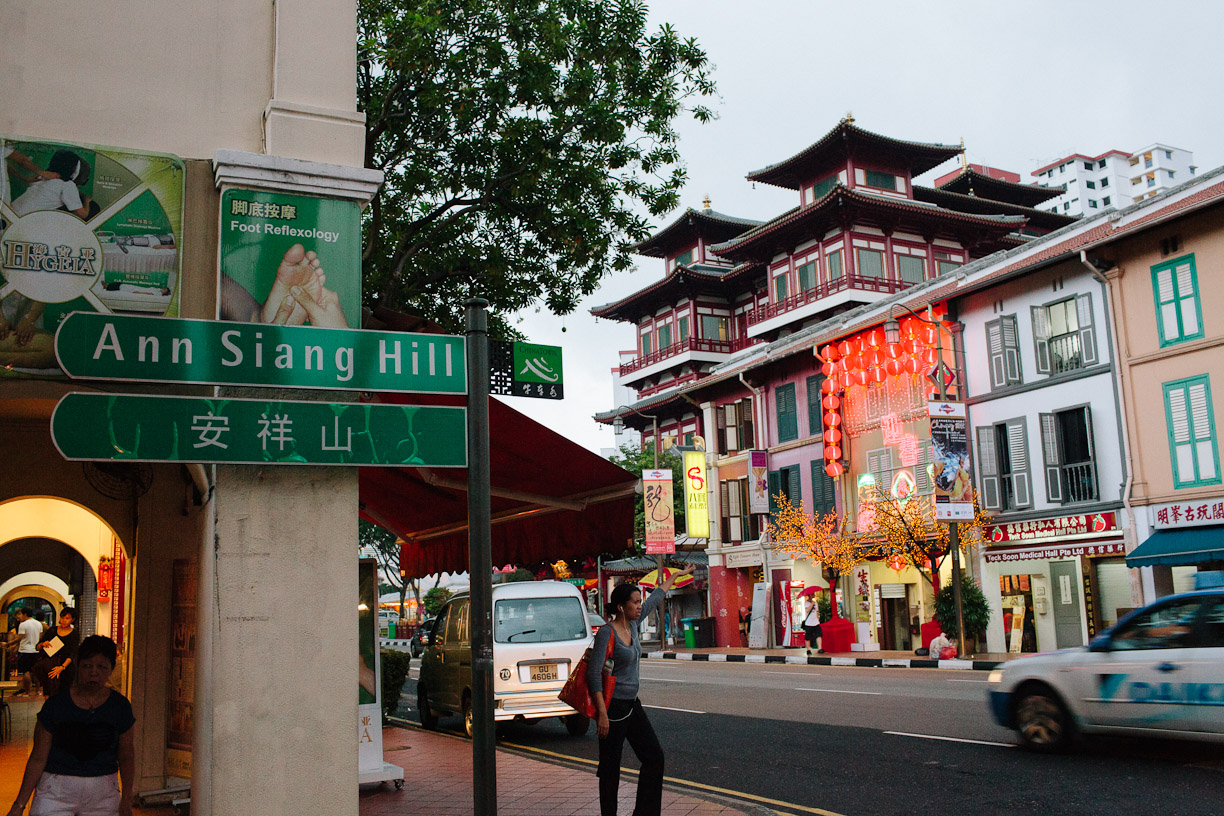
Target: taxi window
(1213, 625)
(1166, 627)
(539, 620)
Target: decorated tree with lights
(822, 538)
(906, 532)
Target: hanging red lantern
(929, 335)
(913, 365)
(832, 420)
(908, 326)
(913, 346)
(832, 452)
(845, 379)
(874, 338)
(830, 402)
(828, 368)
(829, 386)
(929, 356)
(834, 469)
(861, 376)
(832, 436)
(894, 350)
(894, 368)
(878, 374)
(829, 352)
(844, 349)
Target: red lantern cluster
(867, 358)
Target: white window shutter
(994, 347)
(1200, 422)
(1167, 295)
(1187, 299)
(1011, 349)
(988, 467)
(1051, 453)
(1041, 337)
(1017, 452)
(1087, 334)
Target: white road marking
(843, 691)
(793, 673)
(966, 681)
(951, 739)
(665, 679)
(668, 708)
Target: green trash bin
(391, 629)
(690, 633)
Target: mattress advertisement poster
(950, 462)
(290, 259)
(82, 228)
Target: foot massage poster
(290, 259)
(82, 228)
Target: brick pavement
(438, 782)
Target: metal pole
(480, 561)
(953, 527)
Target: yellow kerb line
(684, 782)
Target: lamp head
(892, 330)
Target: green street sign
(129, 348)
(526, 370)
(100, 427)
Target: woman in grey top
(624, 717)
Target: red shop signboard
(1087, 525)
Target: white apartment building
(1113, 179)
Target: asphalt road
(860, 742)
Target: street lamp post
(892, 333)
(654, 421)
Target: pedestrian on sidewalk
(811, 626)
(29, 632)
(84, 749)
(624, 718)
(57, 654)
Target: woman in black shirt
(53, 668)
(83, 744)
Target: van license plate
(542, 672)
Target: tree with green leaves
(435, 599)
(636, 459)
(386, 548)
(520, 141)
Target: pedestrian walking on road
(84, 748)
(811, 626)
(624, 718)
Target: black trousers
(629, 722)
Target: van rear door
(536, 641)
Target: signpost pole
(953, 527)
(480, 561)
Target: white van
(540, 631)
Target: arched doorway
(58, 552)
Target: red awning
(552, 499)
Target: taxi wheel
(468, 726)
(429, 720)
(577, 724)
(1042, 721)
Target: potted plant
(975, 609)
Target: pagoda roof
(844, 206)
(970, 182)
(685, 229)
(847, 139)
(976, 204)
(679, 282)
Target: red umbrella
(812, 590)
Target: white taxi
(1158, 672)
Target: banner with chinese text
(696, 497)
(659, 512)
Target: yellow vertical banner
(696, 497)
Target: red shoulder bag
(577, 694)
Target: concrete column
(276, 733)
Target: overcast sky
(1023, 83)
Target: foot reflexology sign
(290, 260)
(82, 228)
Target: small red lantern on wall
(830, 402)
(832, 436)
(834, 469)
(832, 452)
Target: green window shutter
(1191, 427)
(775, 482)
(1011, 349)
(1178, 311)
(821, 188)
(834, 263)
(781, 292)
(911, 269)
(870, 263)
(684, 330)
(794, 491)
(815, 414)
(645, 345)
(784, 405)
(823, 490)
(664, 337)
(1051, 454)
(885, 181)
(988, 467)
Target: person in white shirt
(11, 155)
(29, 632)
(811, 626)
(61, 190)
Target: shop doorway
(1019, 627)
(894, 633)
(1068, 623)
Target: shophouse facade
(862, 233)
(1163, 266)
(229, 588)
